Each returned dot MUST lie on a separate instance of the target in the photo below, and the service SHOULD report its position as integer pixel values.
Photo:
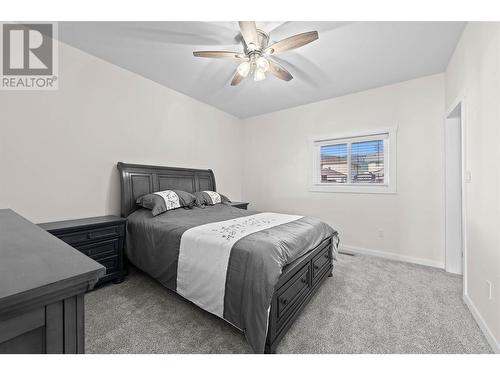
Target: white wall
(277, 160)
(474, 70)
(58, 150)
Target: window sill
(357, 189)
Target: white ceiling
(348, 57)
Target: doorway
(454, 223)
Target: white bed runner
(204, 256)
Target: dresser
(100, 238)
(42, 286)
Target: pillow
(209, 198)
(166, 200)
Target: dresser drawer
(91, 234)
(111, 263)
(101, 249)
(321, 262)
(289, 295)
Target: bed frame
(298, 281)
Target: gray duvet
(253, 268)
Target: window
(363, 163)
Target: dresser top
(82, 223)
(32, 259)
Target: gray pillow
(209, 198)
(166, 200)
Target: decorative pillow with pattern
(209, 198)
(166, 200)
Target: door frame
(459, 101)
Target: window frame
(388, 187)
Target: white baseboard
(482, 324)
(392, 256)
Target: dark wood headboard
(137, 180)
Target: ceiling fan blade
(237, 79)
(292, 42)
(249, 33)
(278, 71)
(219, 54)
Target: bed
(255, 270)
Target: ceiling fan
(256, 58)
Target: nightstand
(242, 205)
(100, 238)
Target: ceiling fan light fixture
(256, 58)
(262, 64)
(259, 75)
(243, 69)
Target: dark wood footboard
(297, 284)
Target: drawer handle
(283, 301)
(316, 267)
(303, 280)
(327, 256)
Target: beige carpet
(371, 305)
